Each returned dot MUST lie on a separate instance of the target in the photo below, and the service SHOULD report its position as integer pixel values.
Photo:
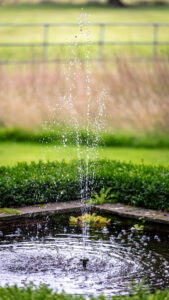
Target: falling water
(90, 150)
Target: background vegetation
(113, 2)
(123, 96)
(47, 12)
(129, 108)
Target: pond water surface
(50, 251)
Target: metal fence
(155, 42)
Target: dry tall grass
(134, 97)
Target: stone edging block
(119, 209)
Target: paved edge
(126, 211)
(119, 209)
(43, 210)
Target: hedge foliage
(43, 292)
(139, 185)
(61, 135)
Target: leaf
(10, 211)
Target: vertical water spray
(91, 143)
(85, 33)
(79, 57)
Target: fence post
(101, 40)
(155, 40)
(45, 42)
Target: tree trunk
(117, 3)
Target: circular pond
(51, 252)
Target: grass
(123, 97)
(41, 13)
(11, 153)
(62, 13)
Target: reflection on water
(51, 252)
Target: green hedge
(60, 134)
(44, 293)
(139, 185)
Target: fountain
(84, 259)
(90, 150)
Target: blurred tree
(116, 2)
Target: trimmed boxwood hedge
(140, 185)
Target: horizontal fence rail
(101, 42)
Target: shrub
(62, 134)
(30, 292)
(139, 185)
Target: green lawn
(67, 13)
(11, 153)
(41, 13)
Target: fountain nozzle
(84, 262)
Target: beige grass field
(123, 96)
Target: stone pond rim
(58, 208)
